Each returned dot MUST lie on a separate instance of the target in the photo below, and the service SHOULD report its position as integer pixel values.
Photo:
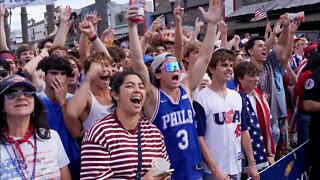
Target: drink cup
(159, 166)
(297, 16)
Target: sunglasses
(11, 95)
(170, 67)
(4, 73)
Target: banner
(294, 165)
(23, 3)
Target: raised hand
(214, 12)
(198, 24)
(236, 40)
(157, 24)
(285, 19)
(178, 13)
(65, 14)
(222, 26)
(93, 18)
(132, 12)
(277, 29)
(86, 28)
(268, 28)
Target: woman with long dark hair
(29, 149)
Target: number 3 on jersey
(184, 135)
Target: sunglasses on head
(11, 95)
(172, 66)
(4, 73)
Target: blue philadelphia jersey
(177, 124)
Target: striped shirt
(110, 151)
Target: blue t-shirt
(56, 122)
(177, 124)
(278, 79)
(231, 84)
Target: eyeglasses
(4, 73)
(11, 95)
(170, 67)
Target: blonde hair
(98, 57)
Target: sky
(36, 12)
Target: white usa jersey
(219, 121)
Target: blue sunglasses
(170, 67)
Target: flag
(259, 14)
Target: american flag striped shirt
(110, 151)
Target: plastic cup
(159, 166)
(297, 16)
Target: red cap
(309, 49)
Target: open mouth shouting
(137, 100)
(104, 77)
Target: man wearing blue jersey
(168, 104)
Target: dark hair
(116, 53)
(244, 68)
(5, 64)
(25, 47)
(54, 62)
(44, 41)
(313, 62)
(222, 55)
(75, 60)
(118, 79)
(150, 50)
(251, 42)
(38, 119)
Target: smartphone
(74, 15)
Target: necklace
(15, 160)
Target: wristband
(93, 37)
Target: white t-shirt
(51, 157)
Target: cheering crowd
(215, 109)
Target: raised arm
(64, 27)
(223, 28)
(151, 33)
(84, 46)
(138, 63)
(212, 16)
(197, 28)
(178, 37)
(271, 39)
(88, 29)
(30, 69)
(78, 107)
(283, 38)
(267, 31)
(3, 42)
